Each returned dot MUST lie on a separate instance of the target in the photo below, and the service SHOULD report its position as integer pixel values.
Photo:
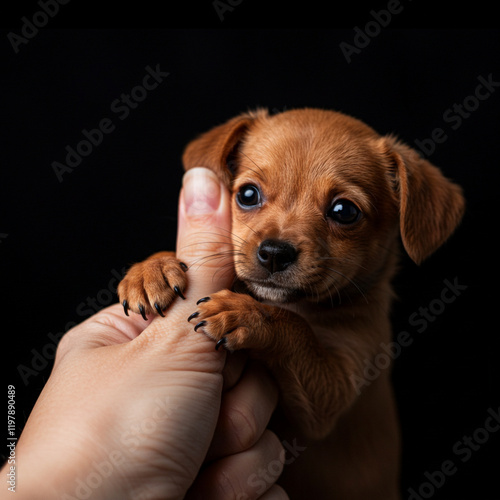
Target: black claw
(220, 342)
(158, 310)
(194, 315)
(177, 290)
(183, 266)
(199, 325)
(143, 312)
(204, 299)
(125, 306)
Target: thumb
(204, 245)
(204, 232)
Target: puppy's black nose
(276, 255)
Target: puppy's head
(319, 199)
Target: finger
(233, 369)
(204, 244)
(204, 234)
(244, 475)
(245, 413)
(107, 327)
(204, 237)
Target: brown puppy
(320, 203)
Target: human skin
(140, 410)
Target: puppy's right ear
(216, 148)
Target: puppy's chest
(323, 321)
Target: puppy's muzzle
(276, 255)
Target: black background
(63, 243)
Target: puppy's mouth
(269, 290)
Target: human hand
(133, 409)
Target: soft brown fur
(318, 321)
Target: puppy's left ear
(216, 148)
(431, 206)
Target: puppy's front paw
(233, 320)
(150, 286)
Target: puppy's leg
(315, 383)
(150, 286)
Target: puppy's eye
(248, 196)
(344, 212)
